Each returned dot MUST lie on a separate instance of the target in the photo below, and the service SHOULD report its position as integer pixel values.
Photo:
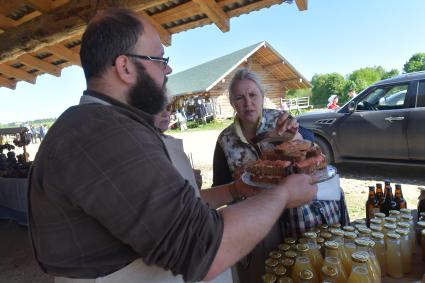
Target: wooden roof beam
(7, 83)
(65, 53)
(41, 65)
(70, 18)
(7, 23)
(302, 4)
(164, 34)
(17, 73)
(215, 13)
(46, 5)
(274, 64)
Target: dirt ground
(16, 260)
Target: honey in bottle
(378, 238)
(302, 263)
(393, 256)
(406, 249)
(332, 258)
(329, 274)
(359, 272)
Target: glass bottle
(364, 245)
(371, 205)
(405, 211)
(324, 228)
(389, 227)
(269, 278)
(394, 214)
(302, 263)
(338, 236)
(359, 272)
(406, 251)
(393, 253)
(348, 228)
(329, 274)
(333, 258)
(280, 271)
(412, 234)
(270, 264)
(419, 227)
(389, 202)
(306, 276)
(285, 279)
(288, 263)
(399, 199)
(284, 247)
(314, 251)
(364, 232)
(377, 221)
(321, 242)
(326, 235)
(380, 252)
(349, 244)
(379, 195)
(290, 241)
(275, 254)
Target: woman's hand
(286, 123)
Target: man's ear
(125, 69)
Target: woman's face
(162, 119)
(247, 101)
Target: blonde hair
(241, 75)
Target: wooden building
(208, 83)
(44, 36)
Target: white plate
(321, 176)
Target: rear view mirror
(352, 106)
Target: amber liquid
(359, 275)
(303, 263)
(393, 257)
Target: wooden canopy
(44, 36)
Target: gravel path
(18, 266)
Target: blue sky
(331, 36)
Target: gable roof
(31, 45)
(202, 78)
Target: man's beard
(146, 95)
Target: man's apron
(138, 271)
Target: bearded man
(105, 201)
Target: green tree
(390, 74)
(294, 93)
(366, 76)
(415, 63)
(325, 86)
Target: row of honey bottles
(384, 201)
(332, 254)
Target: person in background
(333, 102)
(105, 202)
(352, 93)
(33, 134)
(181, 119)
(234, 150)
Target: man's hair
(241, 75)
(110, 34)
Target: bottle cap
(279, 270)
(406, 211)
(403, 225)
(329, 271)
(394, 212)
(393, 236)
(284, 247)
(361, 242)
(378, 235)
(421, 224)
(331, 245)
(326, 235)
(390, 219)
(301, 247)
(287, 262)
(349, 228)
(337, 232)
(380, 215)
(271, 262)
(291, 254)
(375, 228)
(403, 232)
(310, 235)
(350, 235)
(306, 274)
(289, 241)
(275, 254)
(269, 278)
(391, 226)
(285, 280)
(360, 257)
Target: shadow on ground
(397, 174)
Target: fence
(294, 105)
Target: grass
(213, 125)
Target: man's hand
(244, 190)
(297, 189)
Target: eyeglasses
(151, 58)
